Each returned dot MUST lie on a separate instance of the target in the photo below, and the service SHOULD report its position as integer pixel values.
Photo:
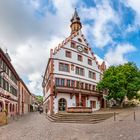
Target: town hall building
(71, 75)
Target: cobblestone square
(35, 126)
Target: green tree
(121, 81)
(39, 99)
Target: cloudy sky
(29, 28)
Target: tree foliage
(121, 81)
(39, 99)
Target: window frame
(68, 54)
(89, 62)
(79, 71)
(80, 56)
(64, 69)
(92, 75)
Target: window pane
(63, 67)
(62, 82)
(68, 54)
(57, 82)
(68, 83)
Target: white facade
(70, 102)
(71, 76)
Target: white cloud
(29, 37)
(117, 56)
(135, 6)
(102, 15)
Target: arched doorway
(62, 104)
(10, 107)
(1, 106)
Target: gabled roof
(3, 55)
(69, 39)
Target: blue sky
(30, 28)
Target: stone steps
(79, 118)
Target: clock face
(80, 48)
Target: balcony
(76, 90)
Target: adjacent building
(9, 82)
(24, 98)
(72, 74)
(15, 97)
(33, 103)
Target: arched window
(62, 104)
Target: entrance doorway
(62, 104)
(1, 106)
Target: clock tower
(75, 23)
(72, 74)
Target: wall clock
(80, 48)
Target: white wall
(70, 102)
(67, 75)
(97, 103)
(84, 64)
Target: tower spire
(75, 22)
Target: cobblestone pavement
(36, 127)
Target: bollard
(114, 116)
(134, 116)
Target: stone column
(80, 99)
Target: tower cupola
(75, 23)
